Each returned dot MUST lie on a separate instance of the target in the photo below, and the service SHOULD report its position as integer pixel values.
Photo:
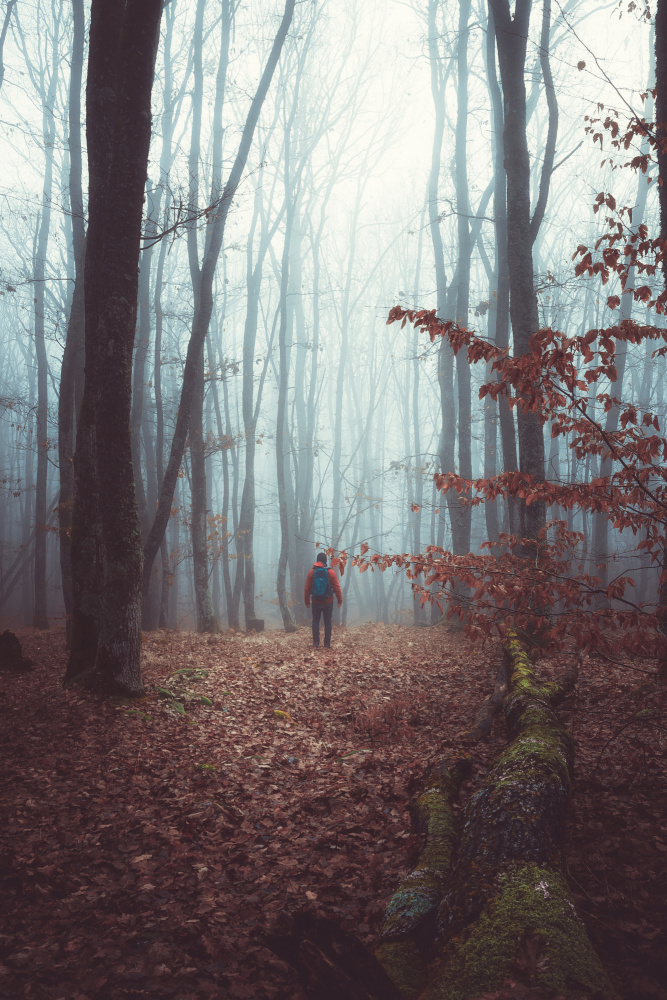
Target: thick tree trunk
(661, 118)
(123, 46)
(511, 38)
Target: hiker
(321, 585)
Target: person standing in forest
(321, 585)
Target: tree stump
(11, 654)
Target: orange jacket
(335, 587)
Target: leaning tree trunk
(501, 907)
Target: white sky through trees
(365, 114)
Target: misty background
(378, 131)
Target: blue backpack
(321, 587)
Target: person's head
(321, 558)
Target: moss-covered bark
(507, 912)
(409, 929)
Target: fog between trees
(312, 423)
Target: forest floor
(143, 846)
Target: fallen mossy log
(409, 930)
(505, 911)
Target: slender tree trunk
(501, 312)
(461, 539)
(281, 415)
(40, 615)
(445, 354)
(3, 34)
(206, 620)
(250, 408)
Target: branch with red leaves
(553, 594)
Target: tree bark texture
(48, 93)
(206, 619)
(661, 130)
(511, 39)
(501, 313)
(508, 897)
(281, 415)
(445, 353)
(122, 50)
(461, 540)
(409, 929)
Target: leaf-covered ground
(144, 845)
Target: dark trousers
(326, 610)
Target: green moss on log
(529, 930)
(507, 912)
(404, 963)
(409, 928)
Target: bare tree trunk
(74, 342)
(501, 311)
(661, 118)
(461, 538)
(122, 50)
(600, 520)
(205, 618)
(3, 34)
(281, 415)
(166, 574)
(250, 409)
(511, 38)
(445, 353)
(48, 94)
